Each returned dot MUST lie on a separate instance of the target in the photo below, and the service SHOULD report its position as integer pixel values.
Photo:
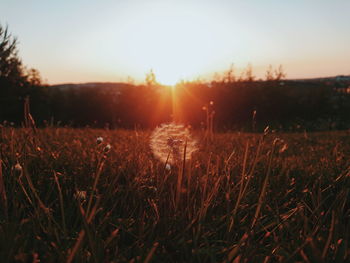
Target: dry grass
(241, 198)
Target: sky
(84, 41)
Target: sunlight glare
(176, 43)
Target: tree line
(234, 102)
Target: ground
(67, 196)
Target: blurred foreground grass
(241, 198)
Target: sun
(177, 42)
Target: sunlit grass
(84, 195)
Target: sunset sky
(83, 41)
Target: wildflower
(18, 168)
(107, 148)
(168, 167)
(168, 143)
(99, 140)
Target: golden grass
(241, 198)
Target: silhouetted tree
(151, 79)
(229, 75)
(34, 77)
(279, 73)
(16, 82)
(269, 74)
(11, 70)
(249, 73)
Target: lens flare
(168, 143)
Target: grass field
(241, 198)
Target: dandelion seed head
(168, 143)
(168, 167)
(107, 148)
(99, 140)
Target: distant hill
(339, 78)
(103, 85)
(121, 85)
